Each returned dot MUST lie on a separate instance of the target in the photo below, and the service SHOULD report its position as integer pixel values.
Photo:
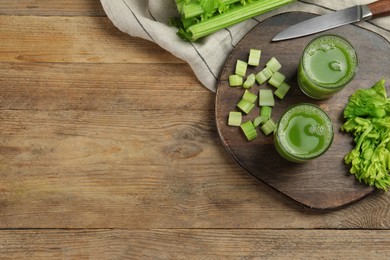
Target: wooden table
(109, 150)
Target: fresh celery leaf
(368, 102)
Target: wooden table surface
(109, 150)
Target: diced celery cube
(249, 96)
(245, 106)
(282, 90)
(263, 75)
(249, 130)
(266, 111)
(235, 80)
(250, 81)
(273, 64)
(235, 118)
(241, 67)
(266, 98)
(268, 127)
(259, 121)
(277, 79)
(254, 57)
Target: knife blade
(338, 18)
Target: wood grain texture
(325, 182)
(73, 40)
(51, 8)
(195, 244)
(138, 169)
(379, 8)
(109, 150)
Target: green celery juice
(304, 132)
(327, 65)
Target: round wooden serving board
(324, 183)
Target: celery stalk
(192, 10)
(237, 13)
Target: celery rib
(233, 16)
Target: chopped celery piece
(259, 120)
(266, 98)
(249, 130)
(235, 80)
(245, 106)
(277, 79)
(249, 96)
(282, 90)
(235, 118)
(266, 111)
(241, 67)
(250, 81)
(273, 64)
(263, 75)
(254, 57)
(268, 127)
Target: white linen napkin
(149, 19)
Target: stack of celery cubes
(264, 97)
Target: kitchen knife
(332, 20)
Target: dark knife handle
(379, 8)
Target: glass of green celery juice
(304, 132)
(328, 64)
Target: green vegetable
(245, 106)
(198, 18)
(235, 118)
(370, 102)
(249, 96)
(264, 75)
(266, 111)
(273, 64)
(249, 130)
(250, 81)
(241, 67)
(367, 117)
(277, 79)
(266, 98)
(259, 120)
(268, 127)
(254, 57)
(235, 80)
(282, 90)
(191, 10)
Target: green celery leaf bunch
(367, 115)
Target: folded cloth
(149, 19)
